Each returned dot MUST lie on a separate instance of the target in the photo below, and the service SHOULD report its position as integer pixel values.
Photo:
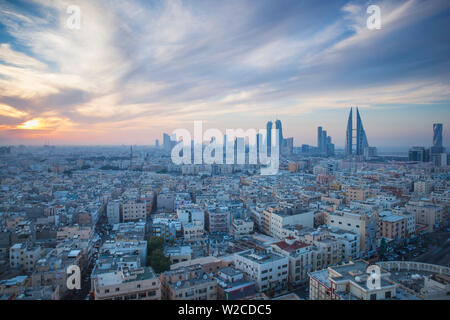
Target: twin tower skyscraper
(361, 139)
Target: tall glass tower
(269, 137)
(349, 135)
(319, 138)
(361, 137)
(437, 135)
(280, 132)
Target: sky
(135, 69)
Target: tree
(382, 249)
(155, 243)
(155, 255)
(158, 261)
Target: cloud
(11, 112)
(137, 64)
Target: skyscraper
(166, 142)
(437, 151)
(324, 144)
(324, 141)
(280, 129)
(269, 137)
(361, 137)
(349, 135)
(437, 135)
(319, 139)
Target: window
(373, 296)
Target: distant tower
(437, 135)
(319, 138)
(324, 141)
(131, 156)
(157, 143)
(269, 137)
(361, 138)
(349, 135)
(280, 130)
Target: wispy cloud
(139, 64)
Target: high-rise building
(361, 137)
(269, 137)
(349, 135)
(437, 150)
(437, 135)
(419, 154)
(319, 138)
(166, 141)
(324, 144)
(280, 132)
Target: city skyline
(142, 69)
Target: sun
(30, 125)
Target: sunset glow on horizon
(135, 69)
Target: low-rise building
(232, 285)
(241, 228)
(24, 256)
(128, 284)
(300, 257)
(350, 282)
(188, 283)
(269, 270)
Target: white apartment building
(241, 228)
(424, 187)
(364, 224)
(410, 220)
(300, 255)
(426, 214)
(113, 212)
(190, 213)
(350, 243)
(267, 269)
(23, 256)
(134, 210)
(193, 230)
(128, 284)
(274, 221)
(349, 282)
